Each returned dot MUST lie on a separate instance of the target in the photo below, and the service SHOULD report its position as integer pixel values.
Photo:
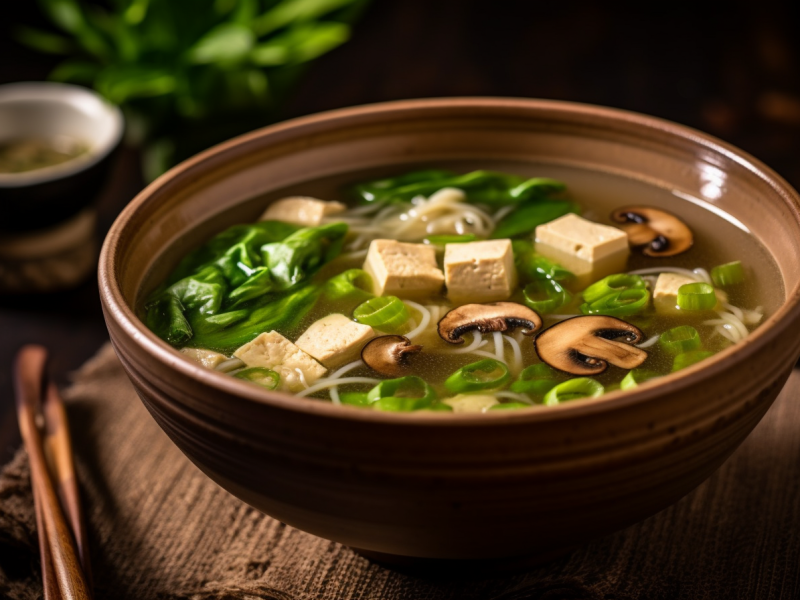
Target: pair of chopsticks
(43, 424)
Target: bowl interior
(40, 110)
(232, 182)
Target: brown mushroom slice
(492, 316)
(662, 233)
(585, 345)
(389, 354)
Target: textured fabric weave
(160, 529)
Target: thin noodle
(326, 383)
(344, 369)
(499, 351)
(517, 352)
(649, 342)
(425, 319)
(519, 397)
(335, 395)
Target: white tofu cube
(582, 238)
(207, 358)
(665, 294)
(301, 210)
(471, 403)
(404, 270)
(335, 340)
(273, 351)
(480, 271)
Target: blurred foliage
(190, 73)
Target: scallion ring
(618, 304)
(730, 273)
(387, 313)
(687, 359)
(536, 379)
(680, 339)
(545, 295)
(635, 377)
(580, 387)
(266, 378)
(486, 374)
(612, 283)
(696, 296)
(403, 394)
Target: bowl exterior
(453, 486)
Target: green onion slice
(536, 379)
(486, 374)
(635, 377)
(387, 313)
(696, 296)
(687, 359)
(545, 295)
(354, 398)
(680, 339)
(264, 377)
(618, 304)
(612, 283)
(580, 387)
(728, 274)
(509, 406)
(441, 240)
(403, 394)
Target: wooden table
(731, 71)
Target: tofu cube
(665, 294)
(301, 210)
(207, 358)
(582, 238)
(480, 271)
(471, 403)
(404, 270)
(590, 250)
(335, 340)
(273, 351)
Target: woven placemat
(161, 529)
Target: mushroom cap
(585, 345)
(389, 354)
(491, 316)
(662, 233)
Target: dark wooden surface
(729, 68)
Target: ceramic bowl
(453, 486)
(41, 198)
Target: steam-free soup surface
(717, 241)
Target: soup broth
(718, 239)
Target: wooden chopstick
(58, 445)
(59, 555)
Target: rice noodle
(327, 382)
(649, 342)
(499, 351)
(519, 397)
(477, 342)
(517, 352)
(346, 368)
(703, 274)
(489, 355)
(502, 212)
(334, 393)
(677, 270)
(425, 319)
(232, 364)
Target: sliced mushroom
(585, 345)
(389, 354)
(662, 233)
(493, 316)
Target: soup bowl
(453, 486)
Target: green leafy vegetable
(247, 280)
(528, 216)
(487, 187)
(190, 73)
(486, 374)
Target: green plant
(190, 73)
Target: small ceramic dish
(55, 112)
(454, 486)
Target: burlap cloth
(160, 529)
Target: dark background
(728, 68)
